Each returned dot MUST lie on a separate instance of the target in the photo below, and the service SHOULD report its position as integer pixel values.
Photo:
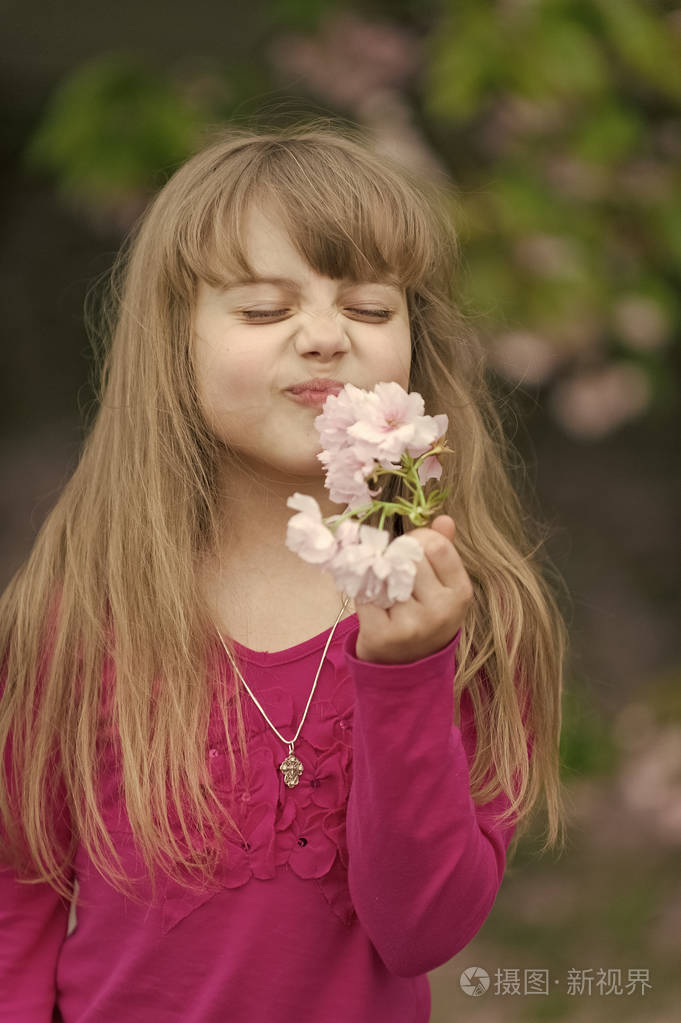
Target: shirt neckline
(293, 653)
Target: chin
(311, 469)
(300, 466)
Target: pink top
(347, 888)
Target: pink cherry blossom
(439, 426)
(429, 469)
(347, 533)
(346, 476)
(397, 569)
(393, 422)
(339, 413)
(362, 431)
(374, 569)
(351, 565)
(306, 533)
(359, 429)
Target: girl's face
(254, 340)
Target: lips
(308, 397)
(317, 386)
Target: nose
(322, 334)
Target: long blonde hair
(104, 630)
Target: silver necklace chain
(291, 766)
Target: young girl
(164, 652)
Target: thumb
(444, 524)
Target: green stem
(421, 495)
(418, 513)
(414, 477)
(351, 512)
(393, 472)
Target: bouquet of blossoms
(367, 435)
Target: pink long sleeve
(33, 922)
(425, 864)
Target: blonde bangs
(347, 219)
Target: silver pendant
(292, 769)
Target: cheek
(396, 358)
(226, 375)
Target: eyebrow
(293, 285)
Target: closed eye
(268, 314)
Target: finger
(445, 525)
(440, 554)
(371, 617)
(427, 586)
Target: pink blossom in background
(522, 355)
(642, 322)
(591, 403)
(349, 58)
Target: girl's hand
(429, 620)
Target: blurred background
(557, 125)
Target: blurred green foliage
(111, 127)
(664, 692)
(559, 122)
(586, 744)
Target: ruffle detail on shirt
(301, 829)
